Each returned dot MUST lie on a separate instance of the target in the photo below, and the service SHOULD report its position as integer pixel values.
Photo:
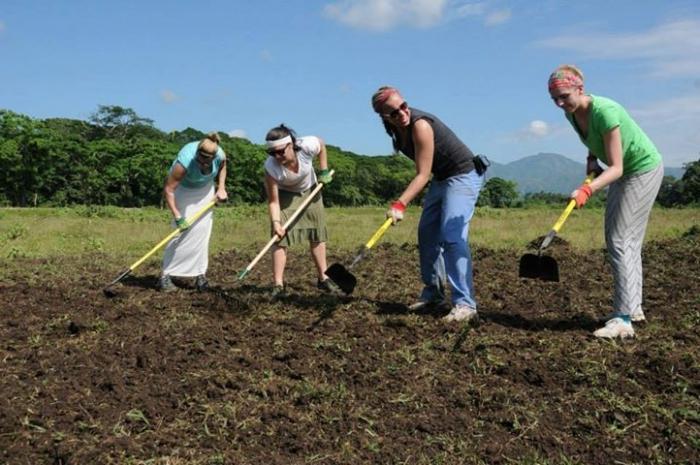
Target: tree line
(119, 158)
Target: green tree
(690, 188)
(498, 193)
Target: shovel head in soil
(538, 266)
(340, 275)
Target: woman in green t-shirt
(633, 177)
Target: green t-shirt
(639, 154)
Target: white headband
(273, 144)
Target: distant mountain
(548, 172)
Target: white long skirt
(187, 254)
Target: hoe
(542, 266)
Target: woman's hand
(221, 195)
(279, 230)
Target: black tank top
(451, 157)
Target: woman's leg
(279, 261)
(458, 208)
(429, 247)
(318, 253)
(628, 206)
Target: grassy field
(130, 233)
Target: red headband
(382, 97)
(562, 78)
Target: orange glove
(581, 195)
(395, 211)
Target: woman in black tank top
(447, 207)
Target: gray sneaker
(617, 327)
(165, 284)
(201, 283)
(278, 291)
(461, 312)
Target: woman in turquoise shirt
(633, 177)
(189, 187)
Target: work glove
(182, 223)
(395, 211)
(325, 176)
(581, 195)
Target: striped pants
(628, 206)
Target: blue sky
(244, 66)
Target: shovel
(286, 226)
(340, 275)
(109, 292)
(542, 266)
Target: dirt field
(231, 377)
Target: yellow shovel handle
(380, 232)
(177, 231)
(572, 203)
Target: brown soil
(231, 377)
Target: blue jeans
(443, 233)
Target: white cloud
(497, 17)
(538, 128)
(168, 96)
(381, 15)
(669, 50)
(240, 133)
(672, 125)
(470, 9)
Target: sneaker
(617, 327)
(278, 291)
(461, 312)
(328, 286)
(635, 317)
(201, 283)
(165, 284)
(423, 304)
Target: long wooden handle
(286, 225)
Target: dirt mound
(232, 377)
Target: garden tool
(542, 266)
(342, 275)
(286, 226)
(109, 292)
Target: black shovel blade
(345, 280)
(539, 267)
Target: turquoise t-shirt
(194, 176)
(639, 154)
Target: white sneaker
(636, 317)
(461, 312)
(423, 304)
(617, 327)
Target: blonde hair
(210, 144)
(573, 69)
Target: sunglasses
(277, 152)
(394, 113)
